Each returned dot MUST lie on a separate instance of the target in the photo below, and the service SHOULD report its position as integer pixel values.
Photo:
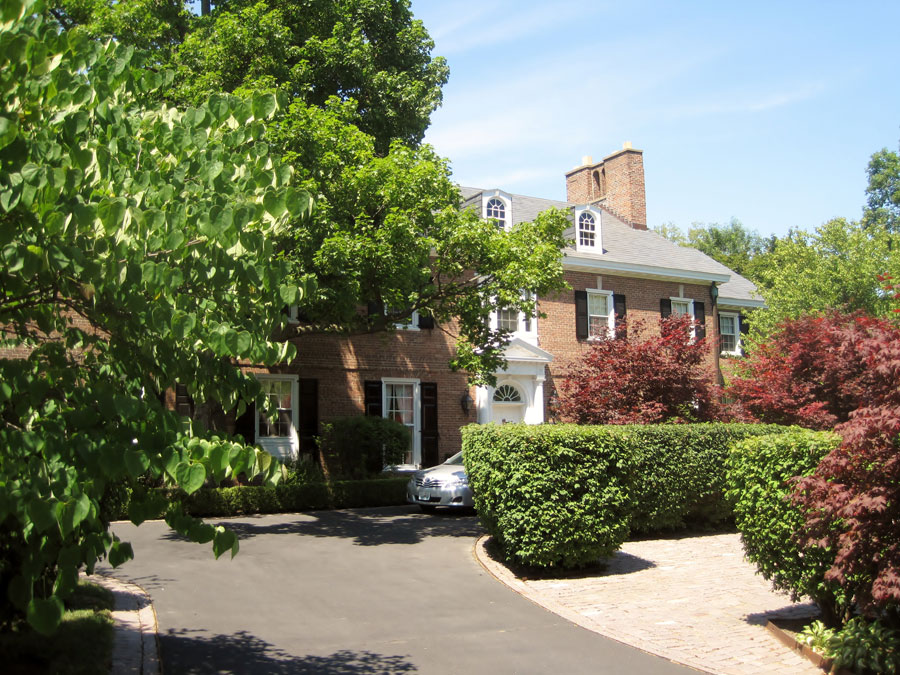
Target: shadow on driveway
(247, 654)
(366, 527)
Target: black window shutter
(700, 318)
(619, 308)
(581, 315)
(308, 424)
(374, 309)
(245, 425)
(184, 402)
(665, 307)
(428, 391)
(373, 398)
(426, 321)
(745, 325)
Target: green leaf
(183, 324)
(274, 202)
(289, 294)
(136, 462)
(8, 131)
(41, 514)
(45, 615)
(223, 541)
(190, 476)
(120, 552)
(298, 203)
(263, 105)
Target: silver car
(442, 485)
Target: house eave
(581, 263)
(742, 303)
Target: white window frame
(505, 199)
(417, 412)
(611, 312)
(281, 446)
(597, 246)
(690, 312)
(737, 351)
(526, 328)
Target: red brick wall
(625, 193)
(343, 364)
(642, 296)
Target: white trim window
(496, 206)
(685, 307)
(515, 322)
(401, 402)
(601, 314)
(730, 333)
(588, 229)
(496, 211)
(277, 433)
(409, 323)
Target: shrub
(639, 378)
(359, 446)
(552, 496)
(811, 371)
(852, 501)
(679, 472)
(223, 502)
(759, 483)
(863, 646)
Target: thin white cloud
(468, 26)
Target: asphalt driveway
(387, 590)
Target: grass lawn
(81, 646)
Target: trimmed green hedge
(679, 471)
(249, 499)
(566, 495)
(551, 495)
(758, 474)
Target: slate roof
(626, 249)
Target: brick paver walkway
(693, 600)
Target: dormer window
(587, 229)
(496, 211)
(497, 207)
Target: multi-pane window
(399, 399)
(508, 320)
(279, 393)
(587, 229)
(729, 333)
(599, 314)
(682, 307)
(496, 211)
(506, 393)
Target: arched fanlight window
(496, 211)
(506, 393)
(587, 229)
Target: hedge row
(566, 495)
(249, 499)
(759, 473)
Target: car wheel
(426, 508)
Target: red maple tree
(640, 378)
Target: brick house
(615, 267)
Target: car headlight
(459, 481)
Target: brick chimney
(615, 183)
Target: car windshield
(456, 459)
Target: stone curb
(502, 574)
(136, 640)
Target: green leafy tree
(137, 252)
(733, 245)
(387, 232)
(835, 267)
(883, 191)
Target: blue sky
(763, 111)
